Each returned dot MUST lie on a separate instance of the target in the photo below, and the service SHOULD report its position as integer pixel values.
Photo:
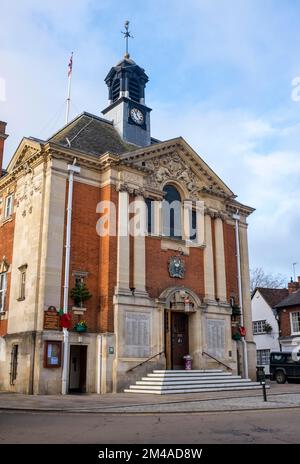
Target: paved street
(216, 417)
(280, 426)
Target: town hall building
(94, 312)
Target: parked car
(283, 367)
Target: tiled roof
(93, 135)
(273, 296)
(292, 300)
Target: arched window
(115, 91)
(171, 210)
(134, 90)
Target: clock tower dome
(127, 110)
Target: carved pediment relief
(171, 167)
(176, 160)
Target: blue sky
(221, 76)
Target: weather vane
(126, 36)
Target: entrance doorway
(77, 379)
(177, 339)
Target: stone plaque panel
(137, 334)
(216, 337)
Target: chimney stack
(3, 137)
(293, 286)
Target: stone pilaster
(139, 266)
(157, 217)
(208, 261)
(245, 277)
(123, 244)
(220, 261)
(246, 297)
(187, 220)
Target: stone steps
(192, 382)
(162, 382)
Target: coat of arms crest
(176, 267)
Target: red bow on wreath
(243, 331)
(65, 321)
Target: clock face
(137, 116)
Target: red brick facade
(3, 137)
(107, 268)
(85, 247)
(94, 255)
(157, 275)
(285, 320)
(6, 249)
(230, 262)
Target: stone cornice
(233, 206)
(215, 214)
(131, 190)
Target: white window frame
(8, 206)
(258, 327)
(264, 353)
(22, 282)
(292, 322)
(3, 288)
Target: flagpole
(69, 89)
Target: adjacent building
(266, 329)
(288, 311)
(131, 299)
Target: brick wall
(107, 268)
(6, 249)
(285, 321)
(1, 154)
(93, 254)
(3, 137)
(230, 262)
(157, 274)
(85, 247)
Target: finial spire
(126, 36)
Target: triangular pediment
(25, 150)
(176, 160)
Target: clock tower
(126, 84)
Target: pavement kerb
(88, 411)
(125, 409)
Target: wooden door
(179, 339)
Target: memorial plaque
(51, 319)
(137, 334)
(216, 337)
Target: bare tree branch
(258, 278)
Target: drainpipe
(236, 217)
(99, 363)
(72, 169)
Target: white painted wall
(262, 311)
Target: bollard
(263, 384)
